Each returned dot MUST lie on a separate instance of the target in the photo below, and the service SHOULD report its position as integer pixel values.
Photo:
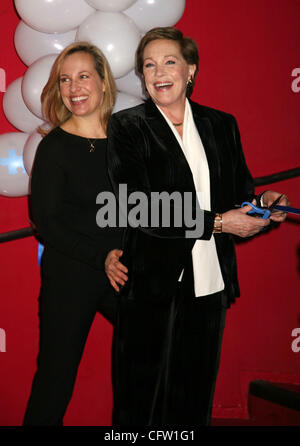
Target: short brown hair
(54, 110)
(188, 47)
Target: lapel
(208, 138)
(165, 137)
(160, 127)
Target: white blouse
(207, 272)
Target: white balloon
(30, 149)
(53, 16)
(31, 44)
(16, 111)
(148, 14)
(126, 101)
(14, 180)
(116, 35)
(131, 84)
(34, 81)
(110, 5)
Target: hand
(237, 222)
(115, 270)
(268, 197)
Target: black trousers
(71, 294)
(166, 358)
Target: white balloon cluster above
(45, 29)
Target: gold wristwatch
(217, 224)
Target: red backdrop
(248, 51)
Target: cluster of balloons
(46, 28)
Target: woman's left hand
(269, 197)
(115, 270)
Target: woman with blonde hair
(69, 172)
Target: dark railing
(15, 235)
(275, 177)
(261, 181)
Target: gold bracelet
(218, 224)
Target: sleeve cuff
(100, 260)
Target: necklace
(92, 144)
(177, 125)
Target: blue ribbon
(40, 252)
(287, 209)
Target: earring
(189, 82)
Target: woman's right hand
(237, 222)
(115, 270)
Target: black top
(66, 179)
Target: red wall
(248, 51)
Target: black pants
(71, 294)
(166, 358)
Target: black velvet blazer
(144, 154)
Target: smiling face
(166, 73)
(81, 87)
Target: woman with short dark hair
(172, 309)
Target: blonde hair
(188, 48)
(53, 108)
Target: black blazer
(144, 154)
